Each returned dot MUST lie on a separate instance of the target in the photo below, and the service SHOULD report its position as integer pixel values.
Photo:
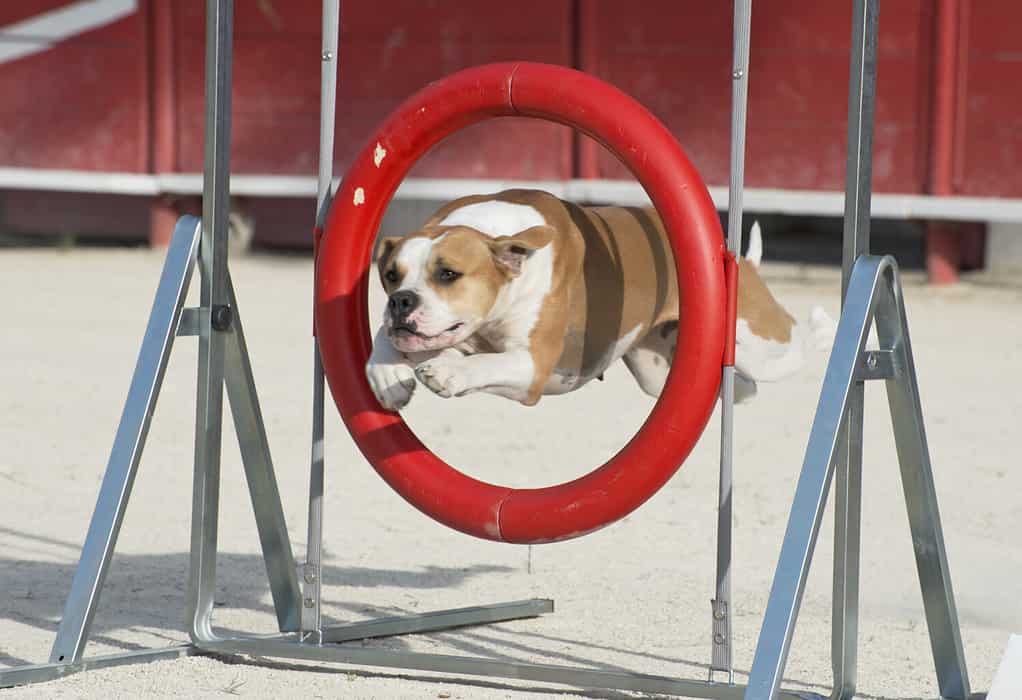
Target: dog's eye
(390, 275)
(447, 275)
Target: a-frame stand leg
(262, 482)
(874, 296)
(921, 501)
(168, 319)
(122, 466)
(235, 373)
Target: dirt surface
(633, 596)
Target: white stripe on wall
(39, 33)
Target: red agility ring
(650, 151)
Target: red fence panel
(387, 51)
(988, 146)
(676, 59)
(79, 99)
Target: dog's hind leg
(745, 388)
(650, 360)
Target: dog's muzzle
(400, 305)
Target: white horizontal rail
(763, 201)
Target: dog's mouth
(404, 330)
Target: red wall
(798, 89)
(988, 134)
(128, 96)
(82, 105)
(388, 51)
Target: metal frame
(720, 641)
(871, 295)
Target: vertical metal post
(721, 649)
(311, 571)
(214, 299)
(848, 465)
(861, 104)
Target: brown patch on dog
(385, 249)
(468, 253)
(757, 306)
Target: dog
(520, 294)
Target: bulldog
(520, 294)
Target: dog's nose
(403, 303)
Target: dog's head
(443, 282)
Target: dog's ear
(511, 252)
(384, 247)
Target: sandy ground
(634, 595)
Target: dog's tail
(761, 359)
(754, 253)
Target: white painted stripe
(793, 202)
(1007, 683)
(39, 33)
(78, 181)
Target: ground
(635, 595)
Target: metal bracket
(192, 320)
(878, 364)
(721, 656)
(311, 630)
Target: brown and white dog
(521, 294)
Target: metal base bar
(288, 647)
(439, 620)
(435, 621)
(40, 673)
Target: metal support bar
(40, 673)
(439, 620)
(289, 647)
(126, 452)
(921, 501)
(262, 482)
(721, 603)
(214, 298)
(312, 570)
(848, 492)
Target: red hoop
(664, 441)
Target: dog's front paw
(443, 376)
(393, 384)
